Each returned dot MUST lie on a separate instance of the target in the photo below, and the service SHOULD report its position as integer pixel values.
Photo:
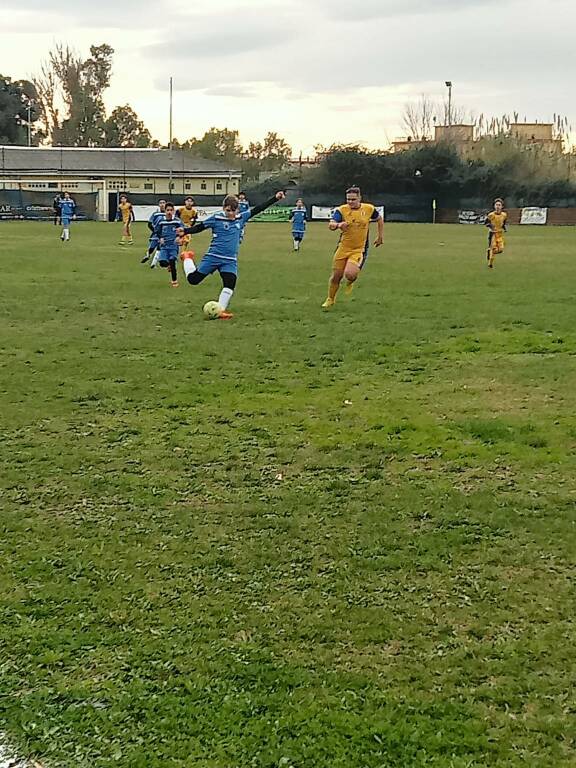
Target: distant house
(143, 173)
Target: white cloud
(316, 71)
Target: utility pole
(170, 157)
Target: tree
(79, 85)
(124, 129)
(418, 119)
(275, 152)
(216, 144)
(19, 108)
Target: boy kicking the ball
(222, 255)
(353, 221)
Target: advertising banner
(534, 215)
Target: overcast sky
(315, 71)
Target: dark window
(148, 186)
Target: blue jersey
(243, 205)
(226, 234)
(67, 207)
(166, 229)
(298, 218)
(155, 218)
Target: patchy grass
(297, 538)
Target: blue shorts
(298, 234)
(168, 253)
(66, 221)
(154, 241)
(210, 264)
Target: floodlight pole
(29, 108)
(170, 158)
(449, 86)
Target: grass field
(319, 540)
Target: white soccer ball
(211, 310)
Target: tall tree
(275, 152)
(124, 129)
(19, 111)
(79, 85)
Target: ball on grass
(211, 310)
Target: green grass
(339, 540)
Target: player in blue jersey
(222, 253)
(67, 214)
(243, 206)
(168, 230)
(153, 241)
(298, 217)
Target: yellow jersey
(358, 220)
(125, 211)
(497, 221)
(187, 216)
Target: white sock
(189, 266)
(154, 260)
(66, 233)
(225, 296)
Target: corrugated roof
(97, 162)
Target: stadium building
(30, 177)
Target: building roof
(66, 161)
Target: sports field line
(8, 758)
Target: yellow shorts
(497, 242)
(344, 255)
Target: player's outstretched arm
(262, 207)
(194, 229)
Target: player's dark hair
(189, 198)
(498, 200)
(230, 201)
(353, 191)
(242, 193)
(170, 205)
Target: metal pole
(29, 107)
(170, 142)
(448, 84)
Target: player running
(56, 206)
(222, 253)
(168, 230)
(298, 217)
(188, 216)
(353, 220)
(243, 206)
(153, 240)
(496, 221)
(67, 207)
(126, 216)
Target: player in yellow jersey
(496, 223)
(187, 215)
(353, 221)
(126, 216)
